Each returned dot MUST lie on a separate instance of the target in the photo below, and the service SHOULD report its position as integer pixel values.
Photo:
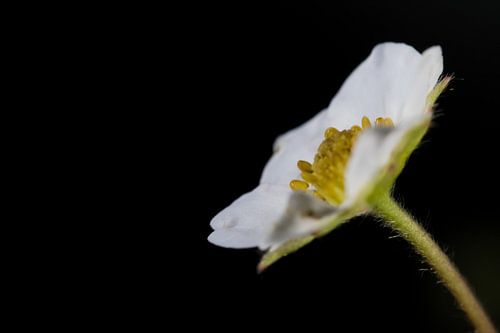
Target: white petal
(300, 143)
(304, 215)
(236, 238)
(392, 82)
(242, 224)
(372, 152)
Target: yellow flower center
(326, 174)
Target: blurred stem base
(399, 220)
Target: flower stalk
(399, 220)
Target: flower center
(326, 174)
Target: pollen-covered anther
(330, 132)
(381, 122)
(388, 122)
(299, 185)
(326, 174)
(304, 166)
(308, 177)
(356, 129)
(317, 195)
(365, 123)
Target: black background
(252, 72)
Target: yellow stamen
(308, 177)
(317, 195)
(365, 123)
(304, 166)
(388, 122)
(356, 129)
(379, 121)
(326, 174)
(330, 131)
(299, 185)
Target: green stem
(398, 219)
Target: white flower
(393, 88)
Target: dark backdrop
(253, 71)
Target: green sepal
(295, 244)
(285, 249)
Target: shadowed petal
(304, 215)
(242, 224)
(374, 150)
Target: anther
(304, 166)
(317, 195)
(330, 131)
(365, 123)
(325, 176)
(308, 177)
(298, 185)
(356, 129)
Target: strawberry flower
(331, 168)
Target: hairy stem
(399, 220)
